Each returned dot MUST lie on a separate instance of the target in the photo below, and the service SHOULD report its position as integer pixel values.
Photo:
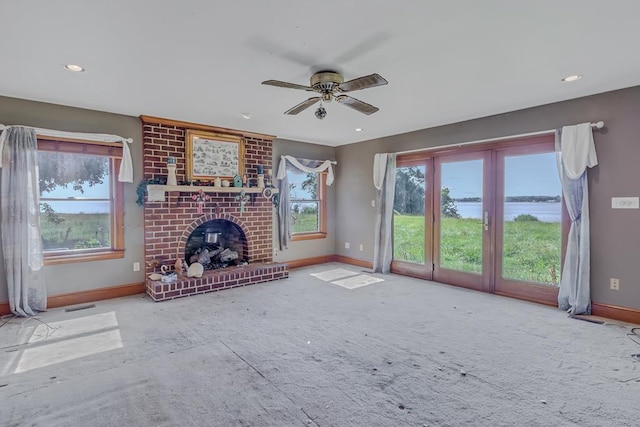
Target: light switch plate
(625, 202)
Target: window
(307, 204)
(81, 201)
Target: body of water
(547, 212)
(75, 207)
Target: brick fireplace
(169, 224)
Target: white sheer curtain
(20, 221)
(384, 179)
(575, 151)
(284, 213)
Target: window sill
(308, 236)
(55, 259)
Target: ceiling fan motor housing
(326, 81)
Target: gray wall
(615, 236)
(316, 247)
(83, 276)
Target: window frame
(322, 214)
(116, 197)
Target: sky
(297, 179)
(530, 175)
(98, 191)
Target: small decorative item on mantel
(267, 181)
(171, 171)
(260, 170)
(200, 198)
(237, 181)
(217, 182)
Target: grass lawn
(77, 231)
(531, 248)
(304, 222)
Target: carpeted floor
(309, 352)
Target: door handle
(486, 221)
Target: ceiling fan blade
(356, 104)
(364, 82)
(303, 105)
(278, 83)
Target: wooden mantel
(156, 193)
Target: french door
(493, 221)
(463, 241)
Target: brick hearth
(168, 224)
(216, 280)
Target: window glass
(408, 215)
(80, 205)
(306, 202)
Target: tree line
(409, 195)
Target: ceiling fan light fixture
(321, 112)
(572, 78)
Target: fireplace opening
(217, 244)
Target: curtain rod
(597, 125)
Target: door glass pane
(461, 216)
(532, 211)
(408, 215)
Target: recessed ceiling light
(74, 68)
(358, 129)
(246, 115)
(572, 78)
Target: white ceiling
(204, 61)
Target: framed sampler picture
(212, 155)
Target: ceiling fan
(331, 85)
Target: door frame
(521, 289)
(421, 271)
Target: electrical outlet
(373, 203)
(614, 284)
(275, 252)
(361, 247)
(136, 266)
(347, 245)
